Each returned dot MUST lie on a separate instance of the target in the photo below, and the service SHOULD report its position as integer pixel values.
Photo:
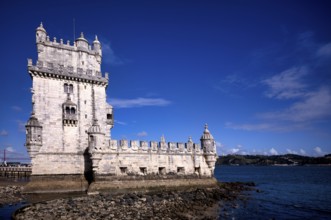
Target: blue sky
(258, 72)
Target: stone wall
(147, 158)
(52, 163)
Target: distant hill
(287, 159)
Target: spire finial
(163, 139)
(190, 139)
(96, 37)
(206, 129)
(41, 24)
(81, 34)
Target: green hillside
(287, 159)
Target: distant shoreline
(274, 160)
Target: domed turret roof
(41, 28)
(96, 41)
(206, 134)
(81, 38)
(33, 121)
(95, 128)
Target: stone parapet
(67, 46)
(58, 71)
(135, 146)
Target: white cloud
(291, 151)
(302, 152)
(21, 125)
(315, 106)
(10, 149)
(109, 55)
(287, 84)
(120, 122)
(220, 148)
(142, 134)
(138, 102)
(219, 144)
(308, 103)
(16, 108)
(234, 150)
(312, 107)
(3, 133)
(234, 80)
(318, 150)
(233, 83)
(273, 151)
(324, 50)
(248, 127)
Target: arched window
(68, 88)
(73, 111)
(67, 110)
(109, 119)
(71, 88)
(65, 87)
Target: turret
(33, 129)
(81, 42)
(163, 144)
(33, 136)
(95, 137)
(41, 34)
(209, 148)
(95, 144)
(189, 144)
(97, 49)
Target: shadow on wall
(88, 172)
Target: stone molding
(68, 73)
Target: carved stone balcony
(70, 119)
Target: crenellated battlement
(123, 157)
(80, 44)
(135, 146)
(75, 46)
(81, 57)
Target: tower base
(111, 184)
(56, 184)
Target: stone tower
(67, 85)
(68, 134)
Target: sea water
(283, 192)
